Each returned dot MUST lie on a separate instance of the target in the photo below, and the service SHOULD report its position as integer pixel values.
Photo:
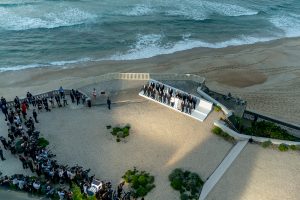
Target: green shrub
(218, 131)
(125, 132)
(217, 108)
(184, 196)
(283, 147)
(269, 130)
(141, 191)
(42, 142)
(236, 121)
(120, 132)
(76, 192)
(187, 183)
(115, 130)
(140, 182)
(266, 144)
(77, 195)
(293, 147)
(176, 184)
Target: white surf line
(222, 168)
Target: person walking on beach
(1, 154)
(108, 103)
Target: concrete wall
(227, 112)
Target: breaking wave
(33, 18)
(151, 45)
(51, 64)
(289, 24)
(139, 10)
(201, 10)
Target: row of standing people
(167, 95)
(41, 103)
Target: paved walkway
(225, 164)
(117, 90)
(12, 195)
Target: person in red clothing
(24, 110)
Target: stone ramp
(222, 168)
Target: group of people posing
(53, 179)
(178, 100)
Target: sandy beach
(265, 74)
(260, 173)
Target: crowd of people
(53, 179)
(178, 100)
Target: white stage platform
(203, 107)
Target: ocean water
(59, 33)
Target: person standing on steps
(108, 103)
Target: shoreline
(181, 53)
(265, 74)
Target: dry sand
(160, 141)
(258, 173)
(267, 75)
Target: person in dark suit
(108, 103)
(1, 154)
(4, 142)
(4, 110)
(34, 114)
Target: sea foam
(32, 18)
(151, 45)
(139, 10)
(50, 64)
(201, 10)
(289, 24)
